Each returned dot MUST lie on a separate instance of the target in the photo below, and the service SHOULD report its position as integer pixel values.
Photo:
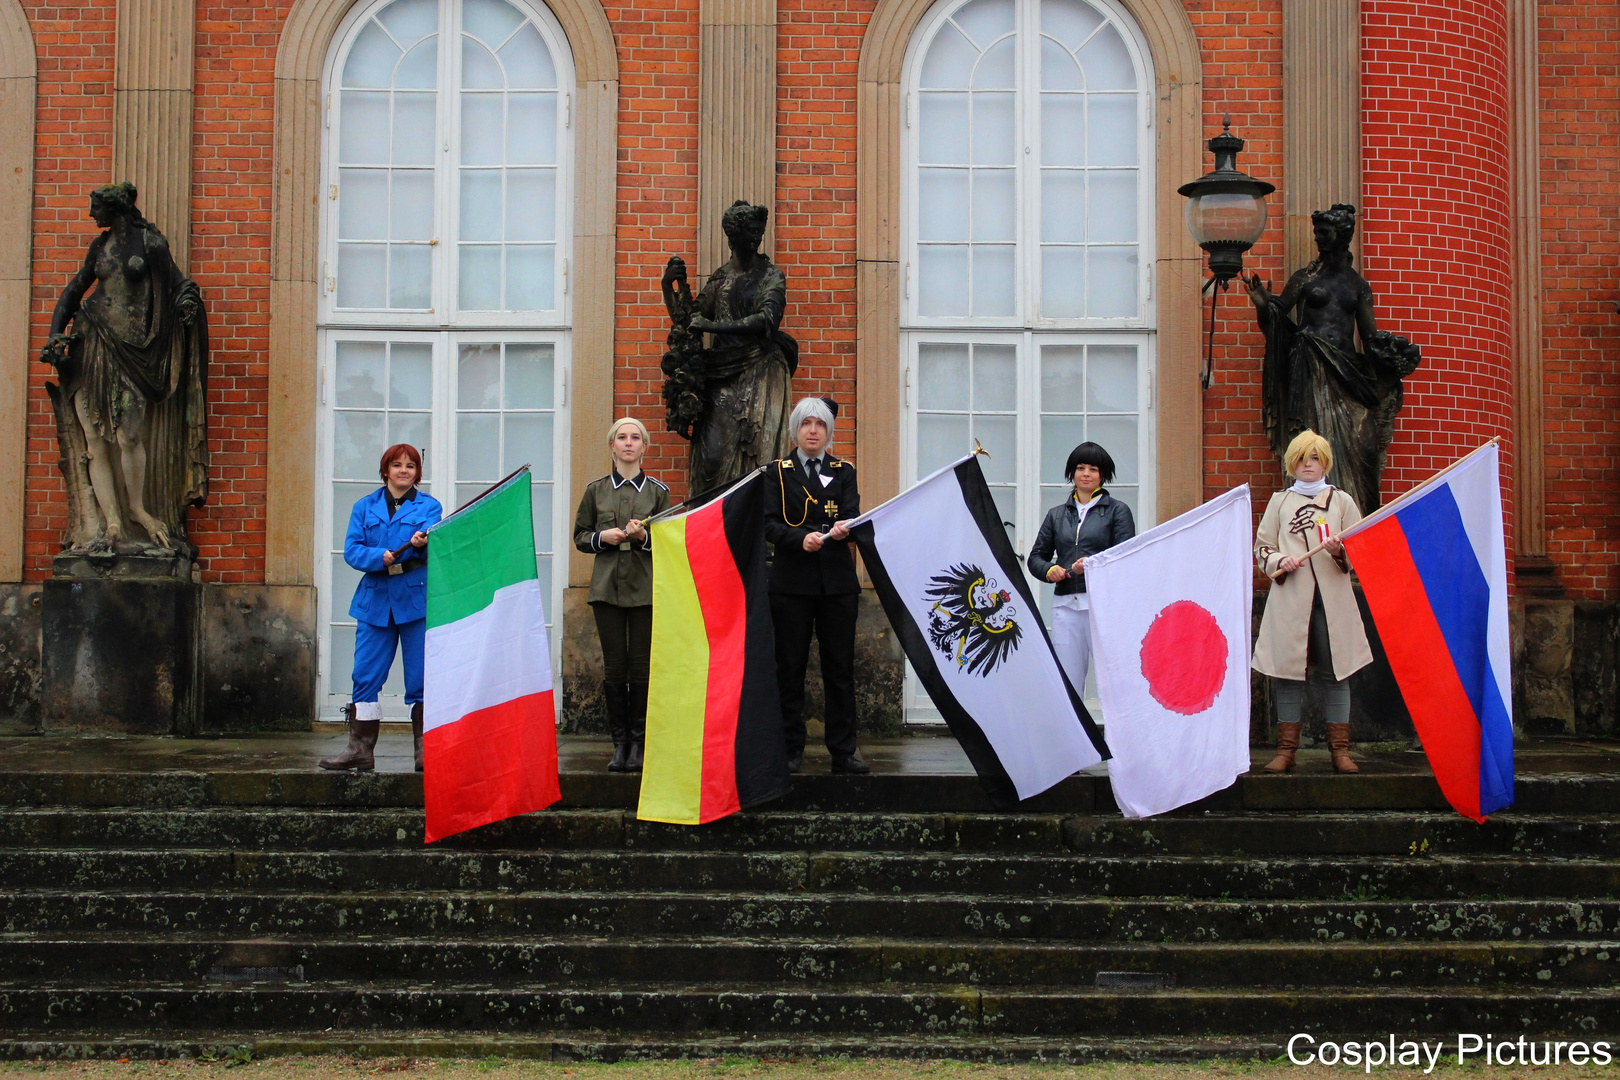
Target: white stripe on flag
(1476, 487)
(488, 658)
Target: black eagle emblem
(972, 621)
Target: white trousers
(1071, 637)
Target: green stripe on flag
(479, 550)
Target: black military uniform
(814, 592)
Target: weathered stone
(1546, 695)
(1595, 668)
(258, 657)
(20, 621)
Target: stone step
(34, 1010)
(401, 829)
(1539, 794)
(887, 873)
(619, 914)
(540, 963)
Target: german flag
(714, 725)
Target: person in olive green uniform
(609, 526)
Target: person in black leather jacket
(1088, 521)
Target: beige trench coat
(1289, 529)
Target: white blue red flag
(1433, 565)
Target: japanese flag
(1170, 614)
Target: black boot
(617, 699)
(359, 754)
(416, 732)
(638, 726)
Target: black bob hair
(1089, 453)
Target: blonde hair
(646, 443)
(1303, 444)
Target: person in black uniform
(814, 588)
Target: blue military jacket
(372, 532)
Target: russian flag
(1433, 565)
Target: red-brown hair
(394, 453)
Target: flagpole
(707, 496)
(1385, 510)
(496, 486)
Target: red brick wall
(1580, 223)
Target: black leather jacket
(1108, 523)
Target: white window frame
(333, 687)
(1028, 290)
(446, 251)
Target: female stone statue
(1314, 379)
(132, 375)
(731, 399)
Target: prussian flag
(489, 743)
(1433, 565)
(714, 731)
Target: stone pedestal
(120, 654)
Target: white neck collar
(1310, 491)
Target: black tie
(813, 467)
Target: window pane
(1006, 498)
(1063, 372)
(342, 649)
(942, 204)
(478, 377)
(543, 534)
(371, 59)
(943, 279)
(478, 447)
(1112, 282)
(531, 129)
(1059, 435)
(940, 441)
(543, 572)
(942, 377)
(412, 429)
(479, 69)
(531, 278)
(358, 439)
(1063, 282)
(480, 278)
(1063, 205)
(528, 442)
(360, 378)
(345, 579)
(363, 204)
(950, 60)
(410, 376)
(1058, 69)
(995, 278)
(1111, 378)
(481, 129)
(491, 20)
(466, 493)
(995, 205)
(995, 378)
(1111, 131)
(411, 209)
(528, 61)
(995, 135)
(344, 496)
(363, 139)
(409, 21)
(530, 376)
(1129, 495)
(1117, 435)
(943, 140)
(1107, 63)
(420, 68)
(985, 20)
(1112, 212)
(480, 204)
(999, 435)
(410, 273)
(531, 204)
(1063, 129)
(1070, 21)
(995, 69)
(362, 275)
(415, 130)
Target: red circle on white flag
(1184, 658)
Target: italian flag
(489, 743)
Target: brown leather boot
(416, 732)
(359, 755)
(1338, 736)
(1287, 743)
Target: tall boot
(1287, 743)
(359, 755)
(617, 699)
(1338, 736)
(638, 727)
(416, 732)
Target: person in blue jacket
(390, 604)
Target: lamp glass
(1226, 217)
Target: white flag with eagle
(961, 605)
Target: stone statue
(132, 374)
(731, 400)
(1314, 377)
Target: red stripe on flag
(725, 619)
(491, 764)
(1422, 663)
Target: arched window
(1027, 314)
(444, 307)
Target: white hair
(810, 408)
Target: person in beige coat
(1312, 629)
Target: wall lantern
(1226, 213)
